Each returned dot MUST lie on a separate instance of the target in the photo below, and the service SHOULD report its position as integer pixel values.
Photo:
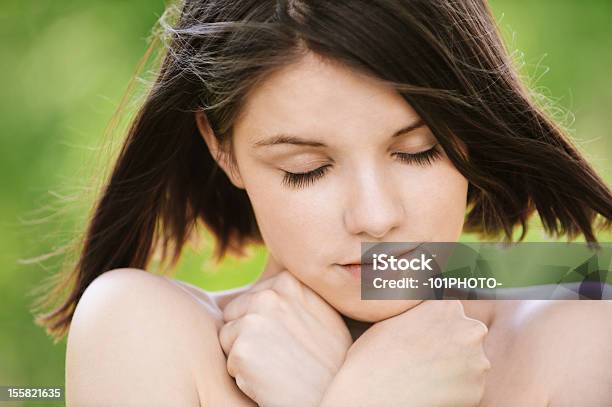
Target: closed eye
(304, 179)
(421, 158)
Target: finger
(251, 302)
(270, 282)
(249, 326)
(237, 307)
(244, 387)
(263, 284)
(481, 325)
(228, 334)
(450, 306)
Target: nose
(373, 208)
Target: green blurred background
(65, 66)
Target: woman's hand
(431, 355)
(284, 343)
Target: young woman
(311, 126)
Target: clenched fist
(284, 343)
(430, 355)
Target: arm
(429, 355)
(287, 346)
(284, 343)
(137, 340)
(579, 352)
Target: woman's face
(324, 154)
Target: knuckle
(251, 321)
(473, 337)
(224, 336)
(480, 392)
(475, 392)
(244, 386)
(285, 281)
(446, 308)
(477, 395)
(232, 306)
(264, 298)
(480, 365)
(477, 328)
(485, 363)
(226, 312)
(240, 382)
(231, 365)
(239, 353)
(482, 329)
(455, 307)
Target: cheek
(294, 223)
(439, 210)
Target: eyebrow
(289, 139)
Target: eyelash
(304, 179)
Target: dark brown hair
(446, 58)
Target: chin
(377, 310)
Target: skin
(367, 192)
(531, 353)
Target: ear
(219, 155)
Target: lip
(384, 247)
(354, 267)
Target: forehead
(322, 98)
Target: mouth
(355, 268)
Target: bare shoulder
(136, 339)
(571, 342)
